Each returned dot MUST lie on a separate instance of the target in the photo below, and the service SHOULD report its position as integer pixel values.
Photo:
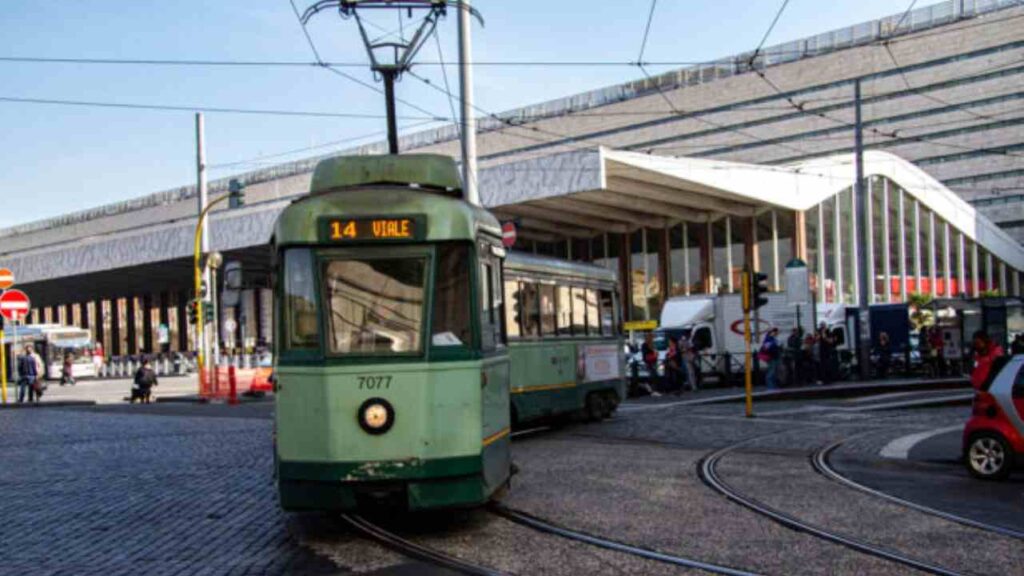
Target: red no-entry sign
(6, 278)
(508, 234)
(14, 305)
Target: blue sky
(56, 159)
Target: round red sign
(14, 304)
(508, 234)
(6, 278)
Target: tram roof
(536, 264)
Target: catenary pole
(466, 95)
(864, 343)
(204, 240)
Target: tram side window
(512, 296)
(490, 306)
(547, 309)
(564, 306)
(452, 325)
(579, 311)
(593, 315)
(607, 313)
(530, 309)
(302, 327)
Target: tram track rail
(820, 460)
(541, 525)
(707, 470)
(410, 549)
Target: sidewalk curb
(52, 404)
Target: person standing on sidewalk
(145, 379)
(30, 378)
(769, 354)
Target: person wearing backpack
(142, 387)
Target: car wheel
(989, 457)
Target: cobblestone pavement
(187, 489)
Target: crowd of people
(808, 358)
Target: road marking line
(900, 447)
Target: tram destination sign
(373, 228)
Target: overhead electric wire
(228, 110)
(894, 135)
(647, 30)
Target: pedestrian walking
(97, 358)
(826, 355)
(142, 386)
(649, 356)
(769, 354)
(67, 371)
(884, 350)
(689, 358)
(30, 376)
(673, 369)
(985, 353)
(793, 359)
(938, 351)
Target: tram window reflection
(579, 311)
(547, 309)
(375, 305)
(530, 309)
(303, 331)
(564, 304)
(451, 318)
(593, 317)
(512, 310)
(607, 313)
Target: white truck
(714, 325)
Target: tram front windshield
(375, 305)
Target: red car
(993, 441)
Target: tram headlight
(376, 416)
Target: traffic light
(193, 312)
(207, 312)
(236, 194)
(758, 290)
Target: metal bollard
(232, 386)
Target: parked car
(993, 440)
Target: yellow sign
(640, 325)
(340, 230)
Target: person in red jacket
(985, 352)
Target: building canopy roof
(586, 192)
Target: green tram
(394, 375)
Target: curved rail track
(820, 461)
(413, 550)
(541, 525)
(707, 468)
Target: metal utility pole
(204, 234)
(389, 97)
(863, 234)
(466, 94)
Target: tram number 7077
(374, 382)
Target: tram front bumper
(412, 484)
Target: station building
(677, 181)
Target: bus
(53, 343)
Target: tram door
(495, 371)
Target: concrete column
(961, 263)
(664, 264)
(822, 277)
(706, 253)
(131, 328)
(686, 258)
(975, 281)
(1002, 278)
(750, 252)
(98, 321)
(917, 247)
(181, 317)
(625, 278)
(147, 324)
(837, 245)
(886, 243)
(869, 247)
(116, 347)
(776, 265)
(947, 264)
(989, 272)
(799, 239)
(728, 256)
(165, 318)
(903, 244)
(932, 272)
